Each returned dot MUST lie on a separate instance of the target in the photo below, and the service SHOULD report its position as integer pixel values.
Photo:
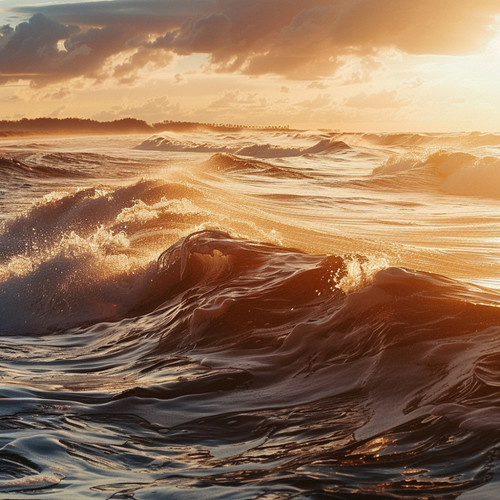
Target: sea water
(257, 314)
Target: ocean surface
(258, 314)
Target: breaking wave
(161, 337)
(285, 146)
(455, 173)
(172, 144)
(45, 166)
(273, 151)
(224, 162)
(409, 140)
(14, 169)
(248, 363)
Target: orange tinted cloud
(419, 27)
(287, 37)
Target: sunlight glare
(492, 51)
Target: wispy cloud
(154, 109)
(383, 99)
(293, 38)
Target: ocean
(268, 314)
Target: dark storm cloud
(31, 50)
(287, 37)
(30, 45)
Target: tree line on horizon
(123, 125)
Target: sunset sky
(378, 65)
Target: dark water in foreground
(165, 337)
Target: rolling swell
(273, 151)
(177, 144)
(223, 162)
(245, 369)
(410, 140)
(14, 168)
(37, 166)
(146, 356)
(453, 172)
(360, 393)
(283, 146)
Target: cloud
(32, 50)
(457, 100)
(317, 85)
(127, 71)
(234, 98)
(361, 69)
(152, 110)
(414, 83)
(205, 35)
(253, 108)
(383, 99)
(57, 112)
(296, 39)
(26, 50)
(60, 93)
(320, 101)
(419, 27)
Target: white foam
(360, 272)
(36, 482)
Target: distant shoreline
(50, 127)
(28, 127)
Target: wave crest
(284, 145)
(455, 173)
(223, 162)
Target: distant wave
(50, 165)
(164, 143)
(231, 163)
(283, 148)
(10, 167)
(455, 172)
(273, 151)
(472, 139)
(75, 160)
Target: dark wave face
(185, 335)
(243, 369)
(13, 170)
